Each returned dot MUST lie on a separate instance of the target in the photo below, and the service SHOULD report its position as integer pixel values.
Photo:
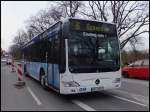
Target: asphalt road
(132, 96)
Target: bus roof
(66, 19)
(63, 21)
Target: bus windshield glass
(93, 52)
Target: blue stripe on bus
(56, 75)
(34, 69)
(53, 76)
(50, 74)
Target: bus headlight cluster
(71, 84)
(117, 80)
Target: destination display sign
(91, 26)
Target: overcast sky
(13, 17)
(15, 13)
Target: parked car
(3, 60)
(9, 61)
(138, 69)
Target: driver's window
(105, 51)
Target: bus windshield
(91, 52)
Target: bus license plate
(97, 88)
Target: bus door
(50, 76)
(53, 75)
(49, 61)
(53, 68)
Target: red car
(138, 69)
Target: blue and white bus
(75, 56)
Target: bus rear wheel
(42, 80)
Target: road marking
(138, 97)
(129, 100)
(141, 99)
(136, 81)
(82, 105)
(126, 92)
(34, 96)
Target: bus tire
(42, 79)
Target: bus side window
(62, 56)
(43, 51)
(49, 50)
(55, 51)
(29, 54)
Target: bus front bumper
(83, 89)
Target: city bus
(75, 56)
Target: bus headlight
(71, 84)
(117, 80)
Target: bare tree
(21, 38)
(15, 51)
(96, 10)
(38, 23)
(56, 13)
(43, 20)
(130, 17)
(69, 8)
(30, 34)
